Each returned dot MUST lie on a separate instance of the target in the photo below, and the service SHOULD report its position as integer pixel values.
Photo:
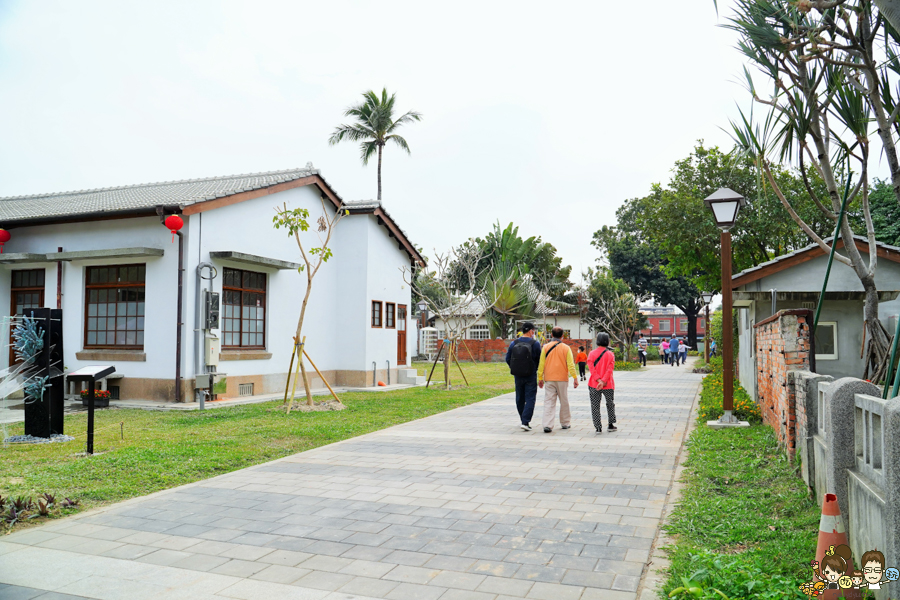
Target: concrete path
(461, 505)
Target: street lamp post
(707, 300)
(725, 204)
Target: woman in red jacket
(601, 362)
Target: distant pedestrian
(523, 357)
(683, 349)
(555, 368)
(664, 351)
(712, 348)
(674, 343)
(581, 359)
(601, 386)
(642, 350)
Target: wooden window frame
(380, 314)
(240, 319)
(12, 299)
(834, 355)
(390, 309)
(88, 286)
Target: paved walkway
(460, 505)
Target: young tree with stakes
(296, 221)
(833, 67)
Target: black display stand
(45, 416)
(91, 375)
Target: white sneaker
(526, 427)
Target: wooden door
(401, 334)
(27, 291)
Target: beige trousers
(552, 391)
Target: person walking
(602, 362)
(642, 350)
(712, 348)
(523, 357)
(683, 349)
(664, 351)
(673, 350)
(581, 359)
(554, 369)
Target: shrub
(711, 397)
(98, 394)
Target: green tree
(375, 126)
(641, 266)
(885, 213)
(674, 220)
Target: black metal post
(90, 427)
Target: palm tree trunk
(379, 173)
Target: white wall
(160, 309)
(366, 265)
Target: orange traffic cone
(831, 527)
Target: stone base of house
(163, 390)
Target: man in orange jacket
(555, 368)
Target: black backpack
(520, 362)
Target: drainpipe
(178, 318)
(388, 372)
(160, 210)
(59, 281)
(374, 376)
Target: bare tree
(296, 222)
(619, 315)
(458, 307)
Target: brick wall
(495, 350)
(782, 346)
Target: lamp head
(707, 297)
(725, 204)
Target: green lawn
(166, 449)
(745, 524)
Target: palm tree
(374, 127)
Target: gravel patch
(30, 439)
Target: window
(376, 313)
(244, 325)
(664, 324)
(479, 332)
(682, 324)
(27, 292)
(826, 341)
(567, 334)
(115, 307)
(389, 312)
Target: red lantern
(4, 237)
(174, 223)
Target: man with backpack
(523, 357)
(554, 370)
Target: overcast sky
(548, 115)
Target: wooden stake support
(287, 384)
(296, 375)
(437, 356)
(322, 376)
(458, 366)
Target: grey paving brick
(581, 563)
(449, 563)
(540, 573)
(409, 574)
(453, 594)
(412, 591)
(495, 568)
(329, 548)
(367, 553)
(561, 548)
(403, 543)
(505, 586)
(456, 580)
(485, 552)
(604, 552)
(280, 574)
(627, 583)
(552, 591)
(322, 580)
(202, 562)
(413, 559)
(285, 558)
(368, 587)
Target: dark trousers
(581, 367)
(642, 358)
(526, 393)
(597, 397)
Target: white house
(106, 259)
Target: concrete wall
(851, 448)
(366, 265)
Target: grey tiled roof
(142, 196)
(812, 246)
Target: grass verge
(165, 449)
(745, 525)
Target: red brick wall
(495, 350)
(782, 345)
